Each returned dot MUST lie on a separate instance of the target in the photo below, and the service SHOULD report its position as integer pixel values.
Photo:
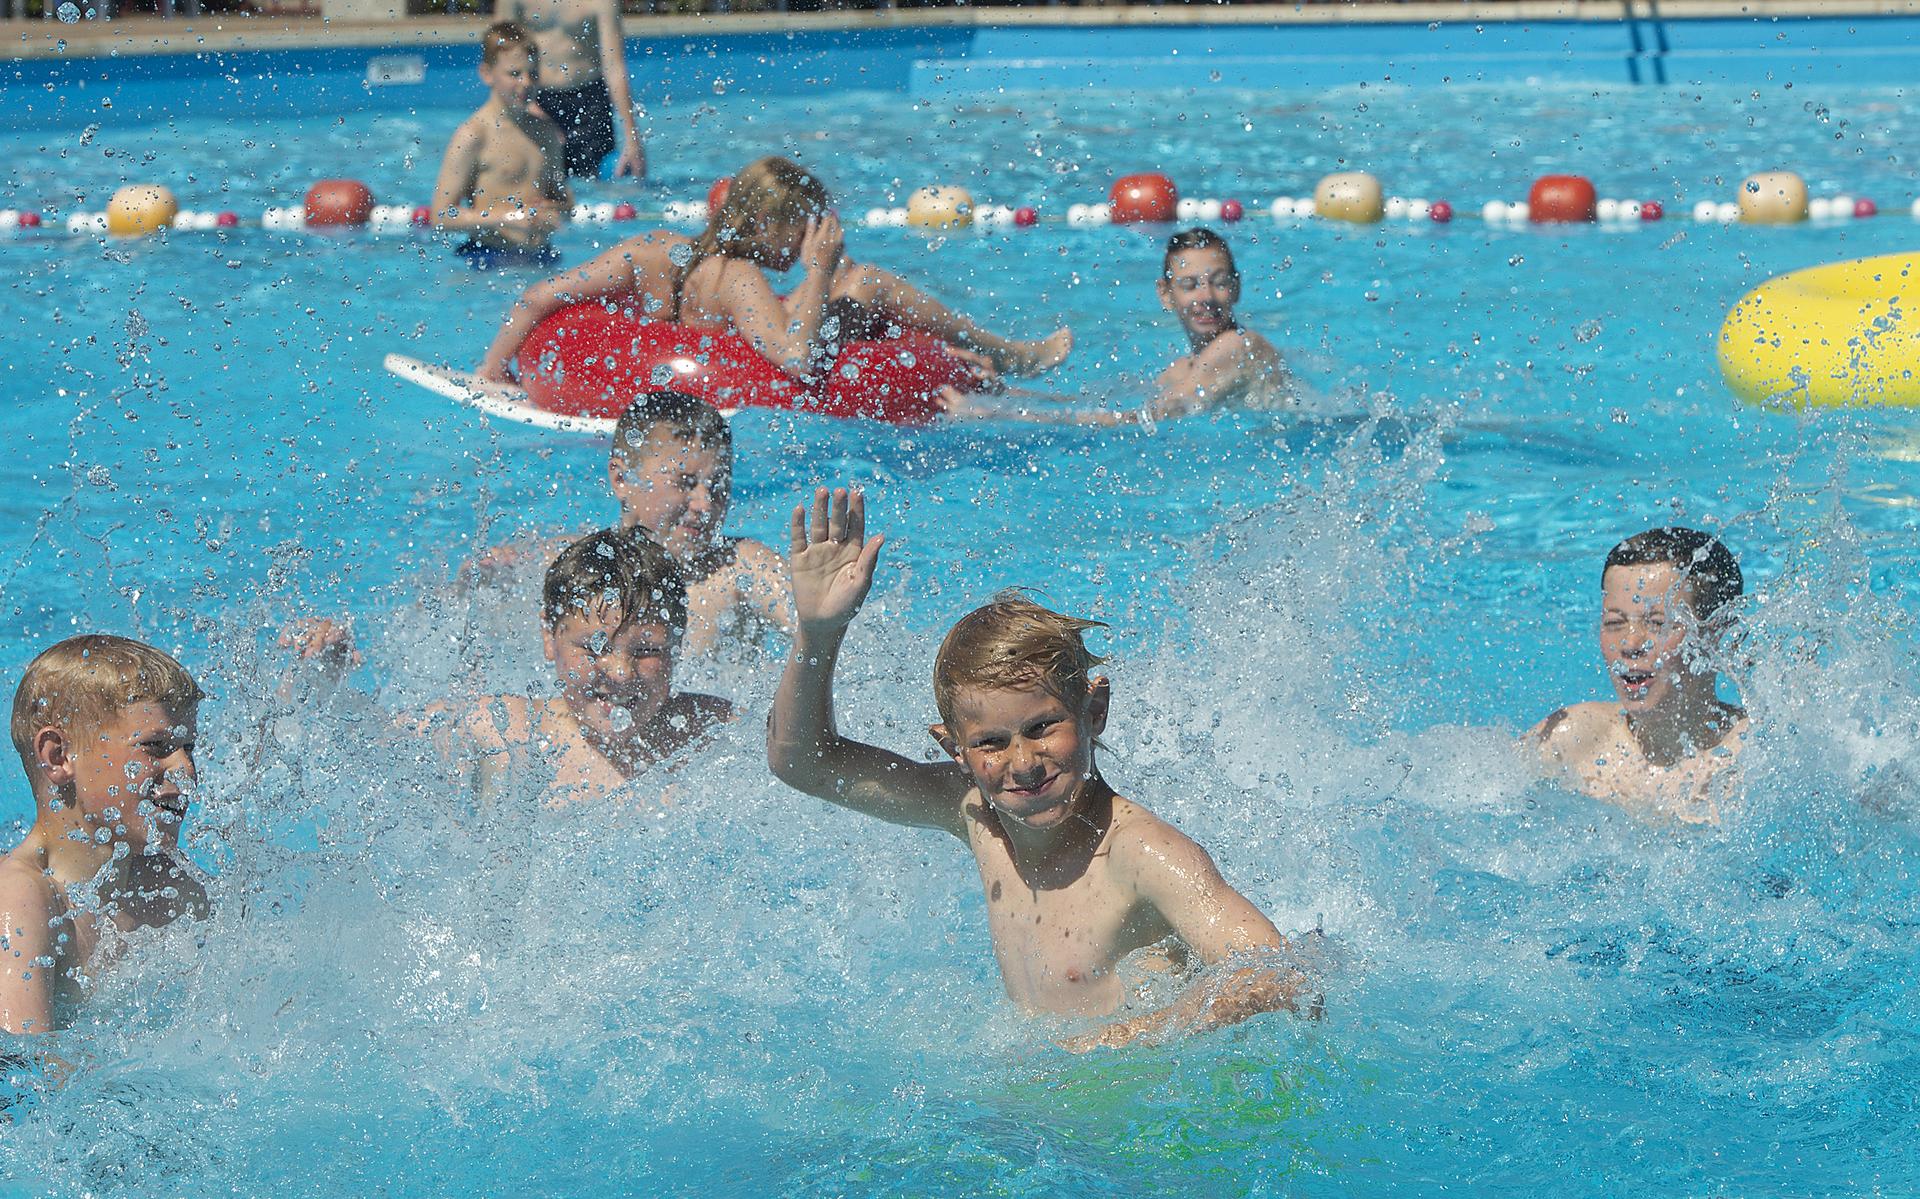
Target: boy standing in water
(105, 729)
(1076, 877)
(502, 181)
(671, 471)
(1668, 745)
(1227, 364)
(583, 80)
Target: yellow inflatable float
(1847, 333)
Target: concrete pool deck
(44, 38)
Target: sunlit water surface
(1326, 630)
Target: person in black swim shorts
(583, 83)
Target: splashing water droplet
(69, 12)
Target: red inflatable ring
(593, 359)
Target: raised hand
(831, 560)
(822, 244)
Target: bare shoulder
(698, 710)
(1575, 726)
(493, 722)
(757, 555)
(1141, 846)
(26, 893)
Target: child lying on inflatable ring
(775, 215)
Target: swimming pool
(1326, 628)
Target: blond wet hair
(767, 193)
(80, 684)
(1013, 642)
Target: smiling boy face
(1646, 623)
(1026, 749)
(1200, 287)
(615, 674)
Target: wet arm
(453, 190)
(831, 566)
(1220, 926)
(26, 957)
(786, 334)
(613, 68)
(763, 590)
(1216, 373)
(609, 274)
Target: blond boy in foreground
(502, 181)
(1667, 746)
(1076, 877)
(105, 730)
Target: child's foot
(1033, 357)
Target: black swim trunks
(585, 116)
(490, 258)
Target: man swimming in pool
(1077, 878)
(501, 181)
(671, 471)
(1668, 745)
(583, 81)
(1227, 364)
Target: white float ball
(1282, 208)
(1706, 210)
(1395, 208)
(1519, 212)
(1209, 210)
(1606, 211)
(1186, 210)
(1419, 210)
(1843, 208)
(1494, 212)
(1819, 209)
(1727, 213)
(1630, 211)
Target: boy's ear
(1165, 293)
(947, 743)
(54, 753)
(1099, 698)
(546, 642)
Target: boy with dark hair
(502, 181)
(1667, 746)
(1076, 877)
(1226, 363)
(612, 613)
(105, 730)
(671, 471)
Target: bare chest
(510, 164)
(1058, 947)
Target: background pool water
(1326, 628)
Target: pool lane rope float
(1843, 334)
(1766, 198)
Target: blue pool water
(1326, 630)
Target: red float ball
(422, 217)
(1141, 198)
(1440, 212)
(227, 220)
(1561, 198)
(338, 202)
(1231, 211)
(1026, 218)
(625, 212)
(1651, 211)
(29, 220)
(1864, 207)
(717, 194)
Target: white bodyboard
(503, 400)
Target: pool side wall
(143, 77)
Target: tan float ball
(1349, 196)
(1773, 198)
(940, 208)
(139, 209)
